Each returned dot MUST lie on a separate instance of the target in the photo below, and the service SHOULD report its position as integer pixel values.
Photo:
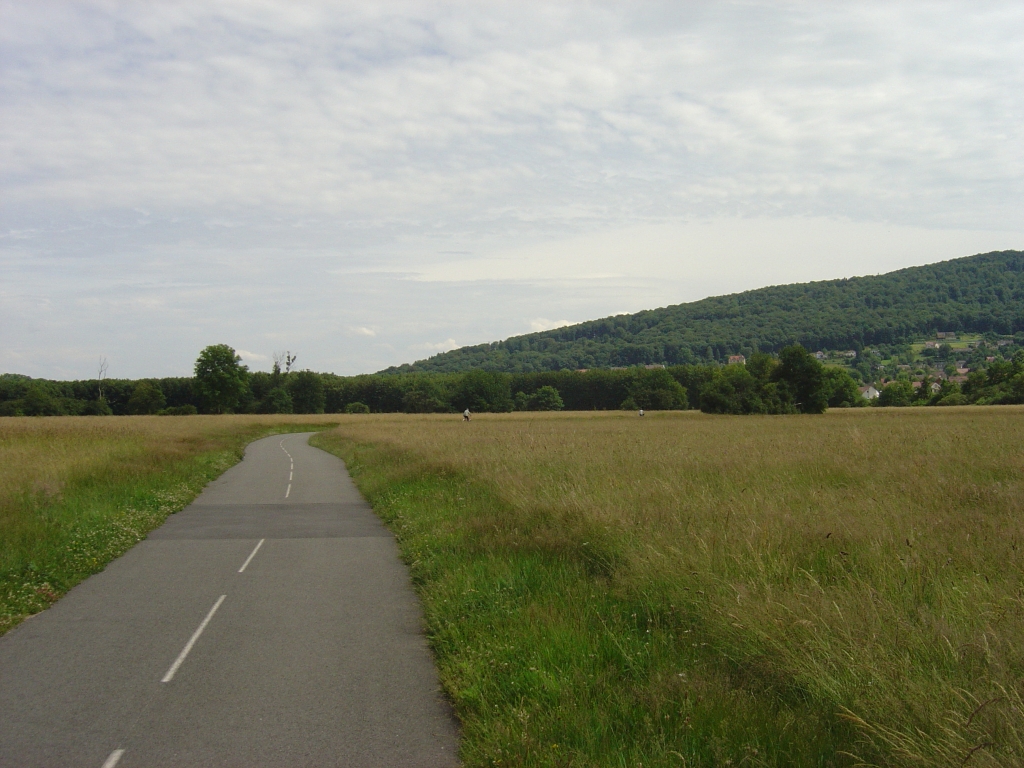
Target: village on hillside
(948, 358)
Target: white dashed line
(251, 556)
(188, 646)
(114, 757)
(281, 444)
(291, 469)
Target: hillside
(980, 294)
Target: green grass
(75, 493)
(602, 590)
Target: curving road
(270, 623)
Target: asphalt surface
(313, 655)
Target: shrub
(896, 395)
(179, 410)
(357, 408)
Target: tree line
(791, 382)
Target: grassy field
(77, 492)
(691, 590)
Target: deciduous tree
(221, 379)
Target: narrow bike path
(271, 623)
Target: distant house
(869, 392)
(990, 359)
(850, 353)
(948, 335)
(936, 387)
(1004, 343)
(655, 367)
(820, 355)
(737, 360)
(962, 371)
(931, 345)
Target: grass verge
(76, 492)
(690, 590)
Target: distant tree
(657, 390)
(147, 398)
(761, 366)
(101, 374)
(841, 390)
(357, 408)
(221, 379)
(546, 399)
(425, 396)
(307, 391)
(277, 400)
(896, 395)
(804, 377)
(39, 402)
(521, 402)
(483, 391)
(96, 408)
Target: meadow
(76, 492)
(693, 590)
(602, 589)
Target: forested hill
(975, 294)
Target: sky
(369, 184)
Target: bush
(179, 410)
(96, 408)
(11, 408)
(357, 408)
(955, 399)
(898, 394)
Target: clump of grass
(692, 590)
(77, 492)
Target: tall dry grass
(865, 564)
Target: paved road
(310, 655)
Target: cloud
(173, 175)
(442, 346)
(543, 324)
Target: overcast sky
(369, 184)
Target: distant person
(641, 411)
(465, 415)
